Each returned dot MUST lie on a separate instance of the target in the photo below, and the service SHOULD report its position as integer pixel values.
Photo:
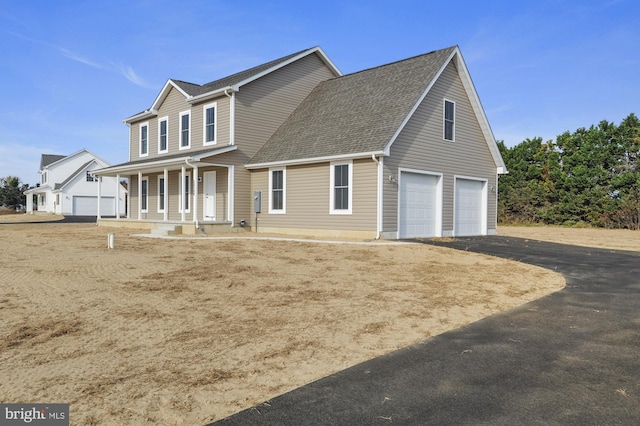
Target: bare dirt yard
(188, 331)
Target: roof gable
(363, 113)
(195, 92)
(354, 114)
(47, 159)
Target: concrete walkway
(571, 358)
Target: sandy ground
(617, 239)
(190, 331)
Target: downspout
(232, 115)
(379, 197)
(195, 195)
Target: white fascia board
(145, 114)
(467, 82)
(212, 94)
(313, 160)
(218, 151)
(165, 91)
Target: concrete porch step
(167, 230)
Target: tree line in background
(11, 192)
(590, 177)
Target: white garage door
(88, 206)
(418, 205)
(469, 213)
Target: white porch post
(99, 194)
(230, 195)
(139, 195)
(166, 195)
(195, 195)
(29, 202)
(118, 196)
(182, 193)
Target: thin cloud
(124, 70)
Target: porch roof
(169, 162)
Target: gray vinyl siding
(171, 107)
(307, 198)
(261, 107)
(421, 146)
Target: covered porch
(181, 194)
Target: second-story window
(90, 177)
(209, 112)
(163, 131)
(185, 126)
(449, 120)
(144, 139)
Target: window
(209, 112)
(449, 120)
(144, 195)
(144, 139)
(184, 190)
(43, 177)
(90, 178)
(185, 125)
(277, 194)
(341, 188)
(161, 191)
(163, 131)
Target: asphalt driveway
(571, 358)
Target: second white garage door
(88, 206)
(418, 213)
(469, 208)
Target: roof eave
(324, 159)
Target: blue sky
(73, 70)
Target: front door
(209, 196)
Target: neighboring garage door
(469, 208)
(418, 205)
(88, 206)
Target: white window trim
(160, 120)
(444, 120)
(181, 192)
(213, 105)
(160, 203)
(180, 147)
(147, 209)
(332, 210)
(284, 191)
(145, 124)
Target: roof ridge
(396, 62)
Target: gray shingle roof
(196, 89)
(47, 159)
(355, 113)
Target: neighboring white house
(67, 187)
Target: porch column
(139, 195)
(183, 191)
(99, 195)
(118, 196)
(29, 203)
(230, 196)
(166, 195)
(195, 195)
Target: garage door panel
(88, 206)
(418, 205)
(469, 212)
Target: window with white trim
(184, 190)
(163, 135)
(90, 177)
(185, 130)
(144, 195)
(161, 193)
(277, 191)
(341, 182)
(209, 115)
(449, 132)
(144, 139)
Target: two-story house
(293, 146)
(68, 187)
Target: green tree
(11, 192)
